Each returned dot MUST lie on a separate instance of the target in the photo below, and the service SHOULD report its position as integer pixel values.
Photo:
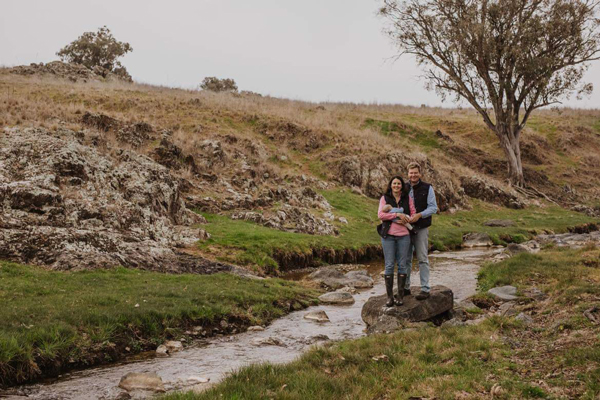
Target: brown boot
(401, 283)
(389, 289)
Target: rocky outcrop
(134, 134)
(70, 206)
(289, 219)
(380, 318)
(370, 174)
(573, 240)
(485, 190)
(71, 71)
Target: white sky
(317, 50)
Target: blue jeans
(421, 246)
(395, 251)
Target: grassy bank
(53, 321)
(246, 243)
(558, 356)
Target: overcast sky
(317, 50)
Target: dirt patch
(293, 260)
(296, 136)
(135, 134)
(584, 228)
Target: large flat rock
(441, 300)
(504, 293)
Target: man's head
(414, 173)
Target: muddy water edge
(281, 342)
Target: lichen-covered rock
(369, 174)
(331, 277)
(290, 219)
(485, 190)
(142, 381)
(71, 71)
(69, 206)
(477, 239)
(337, 297)
(380, 318)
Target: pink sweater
(396, 229)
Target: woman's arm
(382, 215)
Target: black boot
(401, 283)
(422, 295)
(389, 289)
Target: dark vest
(420, 191)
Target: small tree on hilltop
(215, 84)
(509, 56)
(97, 49)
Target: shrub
(215, 84)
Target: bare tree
(505, 57)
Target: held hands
(414, 218)
(403, 218)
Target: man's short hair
(414, 165)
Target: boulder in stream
(318, 316)
(331, 277)
(336, 298)
(477, 239)
(267, 341)
(174, 346)
(162, 351)
(388, 319)
(516, 248)
(256, 328)
(142, 381)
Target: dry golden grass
(194, 116)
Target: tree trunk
(512, 149)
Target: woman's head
(396, 186)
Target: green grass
(247, 243)
(53, 321)
(423, 138)
(421, 363)
(455, 362)
(448, 229)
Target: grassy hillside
(562, 144)
(292, 140)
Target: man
(422, 205)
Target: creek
(215, 357)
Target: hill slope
(310, 170)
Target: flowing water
(214, 358)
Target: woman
(395, 238)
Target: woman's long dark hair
(404, 191)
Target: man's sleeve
(431, 204)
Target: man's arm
(431, 204)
